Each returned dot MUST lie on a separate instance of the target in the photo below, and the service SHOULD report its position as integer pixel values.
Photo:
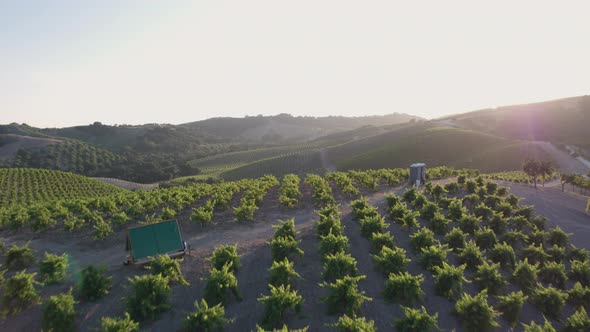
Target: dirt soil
(563, 209)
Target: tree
(532, 168)
(546, 168)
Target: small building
(418, 174)
(147, 241)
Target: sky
(74, 62)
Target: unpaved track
(563, 209)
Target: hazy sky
(115, 61)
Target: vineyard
(348, 251)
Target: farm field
(244, 212)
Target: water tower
(418, 174)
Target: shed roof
(154, 239)
(418, 165)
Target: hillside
(559, 121)
(28, 186)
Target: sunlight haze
(67, 63)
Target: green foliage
(391, 260)
(282, 273)
(578, 254)
(379, 240)
(553, 273)
(525, 274)
(284, 247)
(339, 265)
(514, 238)
(19, 257)
(448, 280)
(489, 278)
(428, 211)
(537, 237)
(475, 312)
(535, 254)
(125, 324)
(149, 296)
(578, 321)
(285, 228)
(53, 268)
(18, 292)
(549, 300)
(169, 268)
(346, 323)
(421, 239)
(331, 244)
(416, 320)
(220, 282)
(343, 295)
(471, 256)
(94, 284)
(439, 224)
(485, 238)
(504, 255)
(403, 288)
(246, 210)
(409, 195)
(469, 223)
(59, 313)
(102, 229)
(205, 318)
(433, 256)
(372, 224)
(280, 300)
(510, 306)
(556, 253)
(203, 214)
(456, 209)
(226, 255)
(289, 192)
(533, 327)
(455, 239)
(579, 295)
(580, 272)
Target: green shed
(154, 239)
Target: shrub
(461, 179)
(409, 220)
(535, 254)
(404, 288)
(578, 254)
(469, 223)
(338, 265)
(537, 238)
(504, 209)
(18, 292)
(558, 237)
(372, 224)
(282, 273)
(167, 213)
(525, 274)
(514, 238)
(120, 218)
(533, 327)
(203, 214)
(439, 224)
(451, 187)
(59, 313)
(284, 247)
(417, 320)
(556, 253)
(346, 323)
(421, 239)
(280, 300)
(448, 280)
(219, 283)
(205, 318)
(149, 296)
(409, 195)
(328, 225)
(102, 229)
(285, 228)
(19, 257)
(580, 271)
(470, 186)
(428, 210)
(94, 284)
(578, 321)
(53, 268)
(489, 278)
(485, 238)
(125, 324)
(553, 273)
(391, 260)
(343, 295)
(397, 212)
(475, 312)
(380, 240)
(245, 211)
(226, 255)
(455, 239)
(510, 306)
(503, 254)
(456, 210)
(471, 256)
(283, 329)
(331, 244)
(433, 256)
(483, 212)
(579, 295)
(169, 268)
(549, 300)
